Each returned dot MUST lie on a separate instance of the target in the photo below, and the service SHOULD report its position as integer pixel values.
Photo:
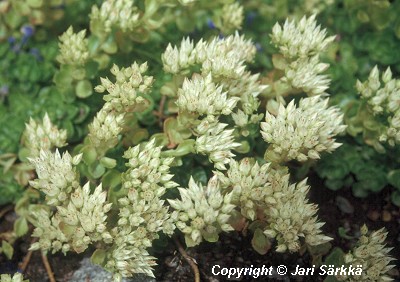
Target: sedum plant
(118, 195)
(372, 255)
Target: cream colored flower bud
(73, 47)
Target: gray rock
(94, 273)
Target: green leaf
(8, 250)
(111, 179)
(21, 226)
(210, 237)
(89, 155)
(396, 198)
(393, 178)
(260, 242)
(63, 78)
(35, 3)
(108, 162)
(24, 154)
(84, 89)
(91, 69)
(336, 258)
(96, 170)
(98, 256)
(334, 184)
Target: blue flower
(27, 31)
(210, 24)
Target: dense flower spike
(203, 212)
(123, 94)
(248, 182)
(122, 14)
(147, 169)
(372, 255)
(43, 136)
(142, 213)
(220, 57)
(216, 142)
(104, 130)
(75, 225)
(290, 216)
(300, 40)
(122, 97)
(383, 101)
(200, 95)
(73, 47)
(301, 44)
(231, 18)
(303, 132)
(305, 74)
(56, 175)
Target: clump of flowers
(382, 99)
(142, 212)
(203, 212)
(80, 218)
(371, 253)
(230, 18)
(290, 216)
(43, 135)
(73, 47)
(249, 184)
(303, 132)
(120, 13)
(301, 44)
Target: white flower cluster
(383, 100)
(81, 216)
(371, 253)
(120, 13)
(17, 277)
(73, 47)
(220, 57)
(142, 212)
(57, 177)
(200, 95)
(104, 130)
(248, 182)
(301, 44)
(230, 18)
(203, 212)
(300, 40)
(221, 62)
(74, 226)
(306, 74)
(43, 136)
(122, 97)
(303, 132)
(148, 170)
(290, 216)
(216, 142)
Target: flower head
(73, 47)
(203, 212)
(303, 132)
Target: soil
(234, 249)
